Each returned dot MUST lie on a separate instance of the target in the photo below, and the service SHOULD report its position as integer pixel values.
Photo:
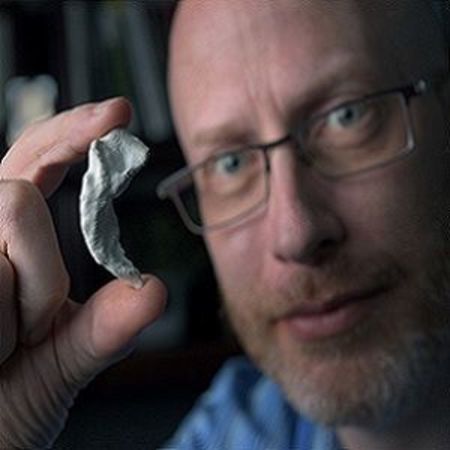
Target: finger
(28, 240)
(8, 313)
(106, 325)
(45, 151)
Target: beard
(375, 375)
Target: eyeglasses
(353, 137)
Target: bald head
(415, 23)
(218, 38)
(330, 76)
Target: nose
(304, 227)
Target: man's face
(338, 289)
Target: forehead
(224, 34)
(228, 58)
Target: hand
(50, 347)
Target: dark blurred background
(58, 54)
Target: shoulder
(242, 407)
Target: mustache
(344, 276)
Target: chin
(371, 388)
(388, 367)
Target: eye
(346, 116)
(230, 163)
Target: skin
(242, 54)
(50, 346)
(244, 72)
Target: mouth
(315, 321)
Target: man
(316, 134)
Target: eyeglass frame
(169, 188)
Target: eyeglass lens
(351, 138)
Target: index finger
(45, 151)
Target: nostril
(327, 243)
(324, 251)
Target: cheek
(236, 254)
(397, 208)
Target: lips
(315, 321)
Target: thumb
(97, 333)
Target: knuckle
(58, 294)
(31, 128)
(19, 195)
(56, 123)
(19, 199)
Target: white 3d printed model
(113, 160)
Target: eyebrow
(231, 134)
(224, 136)
(328, 85)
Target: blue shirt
(244, 410)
